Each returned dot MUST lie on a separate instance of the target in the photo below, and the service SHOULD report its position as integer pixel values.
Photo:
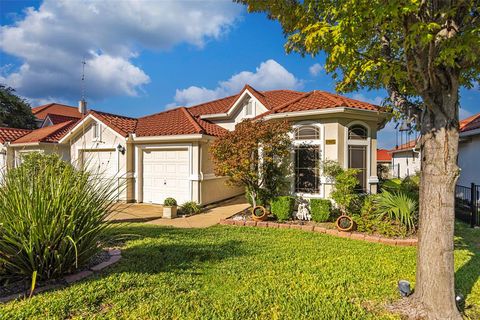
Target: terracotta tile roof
(56, 108)
(383, 155)
(470, 123)
(121, 124)
(50, 134)
(317, 99)
(406, 146)
(175, 122)
(11, 134)
(56, 118)
(270, 99)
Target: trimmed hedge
(282, 207)
(320, 209)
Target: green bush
(282, 207)
(52, 221)
(399, 206)
(190, 207)
(320, 209)
(169, 202)
(369, 221)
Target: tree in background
(255, 155)
(15, 112)
(422, 53)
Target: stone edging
(333, 232)
(115, 256)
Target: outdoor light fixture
(404, 288)
(121, 149)
(460, 301)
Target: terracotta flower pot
(345, 223)
(259, 213)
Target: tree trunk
(434, 289)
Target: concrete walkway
(152, 214)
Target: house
(405, 159)
(469, 150)
(53, 121)
(167, 154)
(384, 163)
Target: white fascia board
(82, 123)
(320, 112)
(179, 137)
(469, 133)
(233, 108)
(29, 144)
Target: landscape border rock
(410, 242)
(115, 256)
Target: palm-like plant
(52, 218)
(398, 206)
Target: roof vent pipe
(82, 106)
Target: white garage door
(103, 165)
(166, 174)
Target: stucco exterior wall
(84, 142)
(16, 152)
(468, 155)
(405, 163)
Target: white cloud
(268, 76)
(377, 100)
(315, 69)
(52, 41)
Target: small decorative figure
(303, 213)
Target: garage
(166, 174)
(102, 163)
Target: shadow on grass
(169, 251)
(468, 274)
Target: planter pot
(345, 223)
(169, 212)
(259, 213)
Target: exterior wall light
(121, 149)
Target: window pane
(357, 159)
(307, 179)
(357, 133)
(307, 133)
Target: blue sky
(145, 57)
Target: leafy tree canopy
(15, 112)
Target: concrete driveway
(152, 214)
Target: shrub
(398, 206)
(282, 207)
(320, 209)
(53, 221)
(190, 207)
(169, 202)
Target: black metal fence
(467, 204)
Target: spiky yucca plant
(52, 217)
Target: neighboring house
(53, 121)
(405, 159)
(469, 151)
(167, 154)
(384, 163)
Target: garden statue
(303, 213)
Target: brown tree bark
(434, 289)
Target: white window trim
(252, 103)
(356, 142)
(321, 147)
(97, 131)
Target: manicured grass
(246, 273)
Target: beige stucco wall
(83, 141)
(15, 153)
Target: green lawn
(244, 273)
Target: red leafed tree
(256, 154)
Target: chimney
(82, 106)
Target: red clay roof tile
(56, 108)
(11, 134)
(50, 134)
(383, 155)
(121, 124)
(470, 123)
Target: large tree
(15, 112)
(256, 155)
(422, 52)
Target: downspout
(200, 171)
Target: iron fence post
(473, 205)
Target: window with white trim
(307, 156)
(249, 108)
(96, 131)
(357, 153)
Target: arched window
(307, 133)
(357, 132)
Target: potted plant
(169, 208)
(259, 213)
